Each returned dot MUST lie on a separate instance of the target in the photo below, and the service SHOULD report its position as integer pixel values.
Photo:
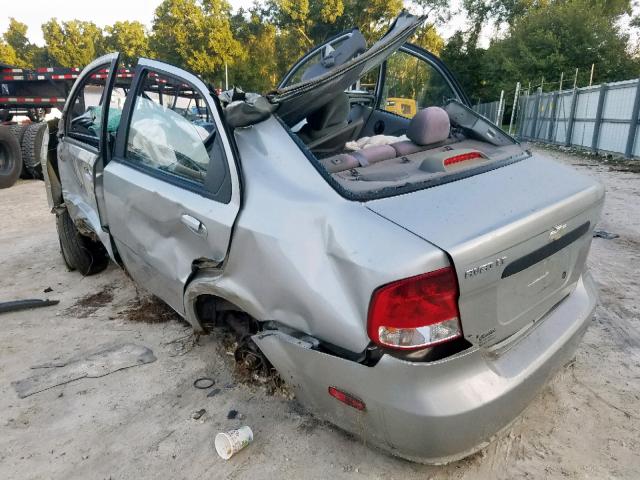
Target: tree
(428, 38)
(194, 34)
(372, 17)
(561, 37)
(467, 62)
(16, 38)
(128, 38)
(495, 13)
(256, 68)
(304, 24)
(74, 43)
(8, 54)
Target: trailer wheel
(18, 132)
(32, 148)
(78, 251)
(6, 116)
(10, 158)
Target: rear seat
(427, 128)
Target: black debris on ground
(198, 414)
(604, 234)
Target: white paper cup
(231, 442)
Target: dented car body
(418, 292)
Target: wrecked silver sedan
(416, 276)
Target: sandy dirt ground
(137, 423)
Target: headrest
(429, 125)
(334, 112)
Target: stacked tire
(10, 157)
(18, 132)
(34, 147)
(33, 143)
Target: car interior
(437, 141)
(363, 146)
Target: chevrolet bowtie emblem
(557, 232)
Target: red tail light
(347, 398)
(416, 312)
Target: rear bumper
(441, 411)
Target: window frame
(432, 61)
(93, 142)
(224, 191)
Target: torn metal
(91, 364)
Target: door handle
(193, 224)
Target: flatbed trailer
(33, 93)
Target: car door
(171, 187)
(81, 145)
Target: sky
(36, 12)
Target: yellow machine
(401, 106)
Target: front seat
(329, 128)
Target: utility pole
(593, 66)
(515, 107)
(575, 80)
(226, 76)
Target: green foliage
(73, 43)
(428, 38)
(17, 46)
(128, 38)
(539, 38)
(194, 34)
(8, 54)
(255, 69)
(543, 39)
(559, 38)
(467, 62)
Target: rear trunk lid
(518, 237)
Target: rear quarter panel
(304, 256)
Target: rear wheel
(33, 143)
(10, 158)
(79, 251)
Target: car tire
(10, 158)
(78, 251)
(18, 132)
(32, 143)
